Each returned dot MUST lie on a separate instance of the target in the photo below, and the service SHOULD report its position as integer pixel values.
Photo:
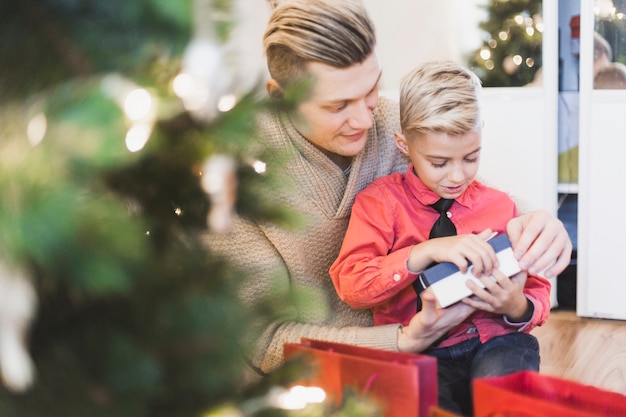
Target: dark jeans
(458, 365)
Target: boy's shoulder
(383, 185)
(390, 180)
(487, 192)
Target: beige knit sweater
(298, 260)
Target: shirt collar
(427, 197)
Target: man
(339, 139)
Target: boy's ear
(274, 89)
(401, 143)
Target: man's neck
(341, 161)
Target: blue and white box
(448, 283)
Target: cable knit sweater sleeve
(319, 316)
(297, 261)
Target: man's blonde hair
(333, 32)
(440, 97)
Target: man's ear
(401, 143)
(274, 89)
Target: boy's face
(338, 112)
(446, 164)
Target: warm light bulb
(36, 129)
(226, 102)
(298, 397)
(137, 104)
(137, 136)
(259, 167)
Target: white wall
(411, 31)
(513, 156)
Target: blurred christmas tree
(511, 53)
(124, 130)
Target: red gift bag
(403, 384)
(530, 394)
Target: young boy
(387, 242)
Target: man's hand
(540, 242)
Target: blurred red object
(403, 384)
(530, 394)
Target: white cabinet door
(602, 185)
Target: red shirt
(390, 216)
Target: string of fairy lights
(531, 27)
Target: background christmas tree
(511, 52)
(110, 171)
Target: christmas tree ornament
(247, 59)
(219, 181)
(218, 70)
(18, 302)
(206, 75)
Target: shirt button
(397, 277)
(448, 214)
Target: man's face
(338, 112)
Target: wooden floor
(589, 351)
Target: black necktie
(443, 226)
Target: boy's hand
(501, 295)
(459, 250)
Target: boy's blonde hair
(333, 32)
(440, 97)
